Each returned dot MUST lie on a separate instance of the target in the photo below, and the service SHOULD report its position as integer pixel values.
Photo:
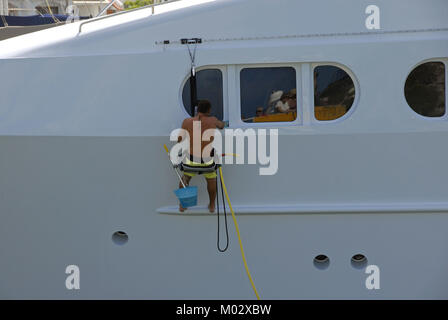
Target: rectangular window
(268, 94)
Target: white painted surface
(78, 166)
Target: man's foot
(182, 209)
(211, 207)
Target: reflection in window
(334, 93)
(209, 87)
(268, 94)
(425, 89)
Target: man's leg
(211, 188)
(186, 179)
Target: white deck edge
(318, 208)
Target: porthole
(334, 92)
(209, 85)
(425, 89)
(120, 237)
(321, 261)
(359, 261)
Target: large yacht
(358, 205)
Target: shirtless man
(195, 156)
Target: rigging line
(313, 35)
(56, 20)
(5, 23)
(193, 88)
(41, 13)
(192, 57)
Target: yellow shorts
(207, 175)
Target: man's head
(204, 106)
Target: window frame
(231, 81)
(409, 108)
(348, 114)
(236, 112)
(225, 96)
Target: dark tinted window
(425, 89)
(334, 93)
(209, 86)
(268, 94)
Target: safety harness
(193, 88)
(213, 167)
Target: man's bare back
(206, 122)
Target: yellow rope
(239, 236)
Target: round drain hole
(120, 238)
(359, 261)
(321, 262)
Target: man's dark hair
(204, 106)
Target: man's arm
(220, 124)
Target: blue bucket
(188, 196)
